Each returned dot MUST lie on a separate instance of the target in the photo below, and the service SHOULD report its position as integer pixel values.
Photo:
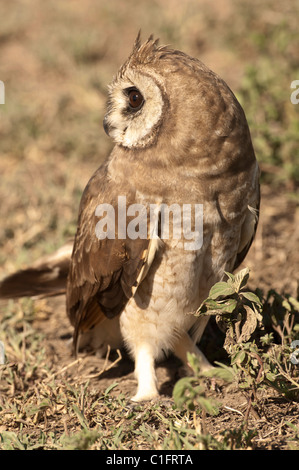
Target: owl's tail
(46, 277)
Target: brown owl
(173, 207)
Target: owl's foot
(145, 374)
(145, 395)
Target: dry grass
(56, 61)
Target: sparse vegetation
(44, 406)
(56, 61)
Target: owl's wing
(104, 274)
(249, 226)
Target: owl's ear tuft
(137, 42)
(150, 41)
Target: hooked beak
(107, 127)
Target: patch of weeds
(190, 393)
(255, 358)
(256, 361)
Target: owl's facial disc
(134, 109)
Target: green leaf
(241, 279)
(80, 416)
(211, 307)
(179, 391)
(11, 441)
(230, 305)
(108, 389)
(239, 357)
(230, 276)
(289, 303)
(221, 289)
(271, 377)
(208, 405)
(286, 305)
(251, 297)
(193, 362)
(294, 302)
(222, 372)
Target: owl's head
(137, 101)
(160, 89)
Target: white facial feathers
(131, 127)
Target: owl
(173, 207)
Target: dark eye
(135, 99)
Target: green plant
(237, 311)
(256, 360)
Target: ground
(52, 141)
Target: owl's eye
(136, 99)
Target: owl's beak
(106, 125)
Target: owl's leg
(183, 345)
(145, 373)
